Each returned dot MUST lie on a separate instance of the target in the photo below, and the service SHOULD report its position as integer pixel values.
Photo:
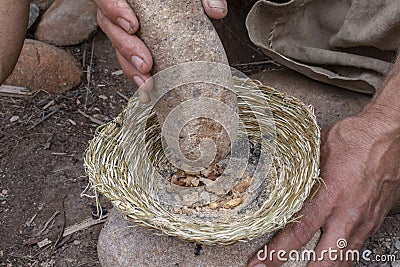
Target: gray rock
(397, 244)
(33, 14)
(124, 244)
(14, 119)
(68, 22)
(42, 4)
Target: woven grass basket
(293, 172)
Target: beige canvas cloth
(347, 43)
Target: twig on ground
(122, 95)
(72, 122)
(64, 241)
(29, 223)
(44, 243)
(43, 119)
(60, 235)
(89, 74)
(61, 154)
(83, 225)
(254, 63)
(14, 91)
(51, 103)
(91, 118)
(31, 242)
(84, 54)
(48, 222)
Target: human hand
(360, 166)
(119, 23)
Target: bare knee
(12, 33)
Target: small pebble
(103, 97)
(117, 73)
(14, 119)
(206, 172)
(213, 205)
(192, 173)
(77, 242)
(397, 244)
(33, 14)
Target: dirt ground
(41, 165)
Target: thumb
(216, 9)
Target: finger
(144, 98)
(296, 234)
(140, 79)
(129, 46)
(332, 247)
(119, 13)
(216, 9)
(131, 72)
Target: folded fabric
(348, 43)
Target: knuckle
(301, 233)
(121, 4)
(124, 48)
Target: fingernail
(126, 25)
(139, 81)
(144, 98)
(260, 265)
(137, 62)
(220, 4)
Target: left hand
(119, 22)
(360, 166)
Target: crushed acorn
(195, 179)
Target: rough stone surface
(68, 22)
(187, 36)
(330, 103)
(33, 14)
(42, 4)
(45, 67)
(123, 244)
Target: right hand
(118, 21)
